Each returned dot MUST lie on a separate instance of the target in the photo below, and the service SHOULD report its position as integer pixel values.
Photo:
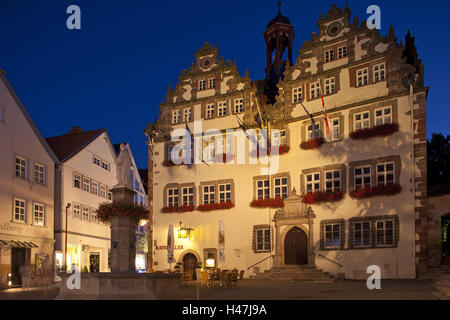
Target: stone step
(294, 273)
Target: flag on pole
(327, 124)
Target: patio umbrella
(221, 242)
(170, 246)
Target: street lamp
(65, 243)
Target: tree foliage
(438, 159)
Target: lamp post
(65, 242)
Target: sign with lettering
(10, 227)
(178, 247)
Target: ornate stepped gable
(335, 28)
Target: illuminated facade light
(184, 232)
(210, 263)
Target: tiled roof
(69, 144)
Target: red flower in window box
(269, 202)
(284, 148)
(216, 206)
(377, 131)
(320, 196)
(314, 143)
(183, 208)
(380, 190)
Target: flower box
(284, 148)
(108, 210)
(270, 202)
(377, 131)
(184, 208)
(312, 144)
(216, 206)
(320, 196)
(380, 190)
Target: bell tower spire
(279, 36)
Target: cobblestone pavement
(274, 290)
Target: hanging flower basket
(216, 206)
(320, 196)
(183, 208)
(377, 131)
(312, 144)
(380, 190)
(270, 202)
(108, 210)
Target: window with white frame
(222, 108)
(361, 234)
(210, 111)
(263, 189)
(362, 177)
(187, 196)
(263, 239)
(77, 180)
(209, 194)
(86, 184)
(362, 77)
(297, 95)
(19, 210)
(39, 174)
(383, 116)
(332, 235)
(38, 214)
(212, 83)
(335, 129)
(314, 89)
(187, 114)
(312, 182)
(105, 165)
(176, 116)
(330, 86)
(96, 160)
(279, 137)
(384, 233)
(102, 191)
(85, 213)
(342, 52)
(94, 215)
(94, 188)
(329, 55)
(21, 167)
(378, 72)
(225, 192)
(202, 85)
(362, 120)
(385, 173)
(238, 105)
(313, 131)
(281, 187)
(333, 180)
(172, 197)
(76, 211)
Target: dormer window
(329, 55)
(297, 95)
(202, 85)
(175, 116)
(342, 52)
(330, 86)
(210, 111)
(212, 83)
(222, 109)
(187, 114)
(315, 90)
(378, 72)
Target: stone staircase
(295, 273)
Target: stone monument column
(123, 234)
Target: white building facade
(27, 171)
(358, 199)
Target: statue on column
(123, 166)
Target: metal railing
(260, 261)
(331, 260)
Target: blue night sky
(114, 72)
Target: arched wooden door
(296, 247)
(189, 263)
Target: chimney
(76, 129)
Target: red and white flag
(327, 124)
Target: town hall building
(349, 189)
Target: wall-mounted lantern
(184, 232)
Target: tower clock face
(206, 63)
(334, 28)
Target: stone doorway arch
(295, 247)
